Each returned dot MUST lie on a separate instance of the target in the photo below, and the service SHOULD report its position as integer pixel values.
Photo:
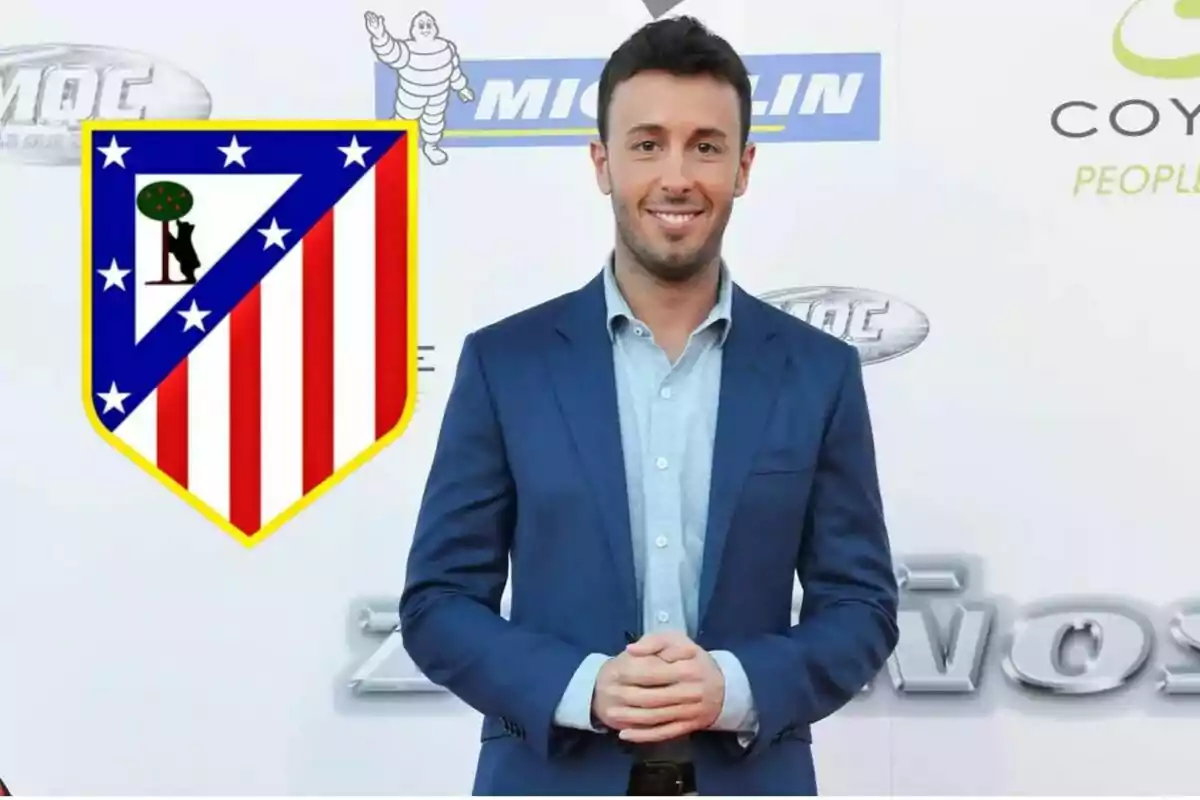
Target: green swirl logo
(1174, 68)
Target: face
(423, 26)
(673, 166)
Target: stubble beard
(678, 267)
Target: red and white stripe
(307, 372)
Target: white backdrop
(1043, 429)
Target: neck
(667, 306)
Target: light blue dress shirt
(668, 418)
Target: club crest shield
(249, 295)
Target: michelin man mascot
(427, 69)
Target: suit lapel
(584, 380)
(751, 367)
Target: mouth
(676, 220)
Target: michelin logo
(420, 72)
(798, 97)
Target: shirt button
(660, 462)
(639, 331)
(665, 393)
(661, 541)
(663, 617)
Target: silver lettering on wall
(1065, 647)
(1069, 648)
(881, 327)
(924, 661)
(1185, 631)
(48, 90)
(388, 669)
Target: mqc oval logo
(46, 90)
(880, 326)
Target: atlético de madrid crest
(248, 300)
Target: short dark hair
(680, 46)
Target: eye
(645, 146)
(708, 148)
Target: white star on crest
(234, 152)
(114, 398)
(194, 317)
(354, 152)
(114, 153)
(114, 276)
(274, 234)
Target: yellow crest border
(92, 128)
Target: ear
(742, 182)
(599, 156)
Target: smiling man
(659, 455)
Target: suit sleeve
(575, 707)
(458, 567)
(738, 713)
(847, 626)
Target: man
(659, 454)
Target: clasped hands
(660, 687)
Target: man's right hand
(643, 692)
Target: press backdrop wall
(1024, 298)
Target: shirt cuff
(737, 713)
(575, 708)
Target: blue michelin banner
(815, 97)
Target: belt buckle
(668, 772)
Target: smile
(676, 219)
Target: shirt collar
(619, 311)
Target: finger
(648, 672)
(652, 643)
(660, 697)
(679, 651)
(655, 671)
(627, 716)
(658, 733)
(657, 644)
(646, 646)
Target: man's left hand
(696, 673)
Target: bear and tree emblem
(166, 202)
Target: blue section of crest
(138, 367)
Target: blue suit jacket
(528, 466)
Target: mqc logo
(1158, 41)
(48, 90)
(879, 326)
(548, 102)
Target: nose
(674, 176)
